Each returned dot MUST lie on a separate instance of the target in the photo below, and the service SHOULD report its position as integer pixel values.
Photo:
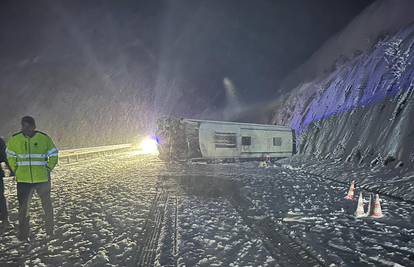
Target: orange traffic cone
(351, 191)
(360, 212)
(377, 212)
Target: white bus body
(224, 140)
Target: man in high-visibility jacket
(32, 156)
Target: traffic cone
(351, 191)
(377, 212)
(360, 212)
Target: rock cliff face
(363, 110)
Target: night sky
(170, 57)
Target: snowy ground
(396, 182)
(134, 210)
(100, 208)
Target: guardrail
(73, 155)
(70, 155)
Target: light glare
(149, 146)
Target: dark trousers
(4, 215)
(24, 195)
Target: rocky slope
(362, 110)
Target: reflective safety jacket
(31, 158)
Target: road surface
(134, 210)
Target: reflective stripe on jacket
(31, 158)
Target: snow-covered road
(100, 211)
(129, 210)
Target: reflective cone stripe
(351, 191)
(360, 212)
(377, 213)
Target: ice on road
(129, 210)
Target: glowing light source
(149, 146)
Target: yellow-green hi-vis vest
(31, 158)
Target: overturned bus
(188, 139)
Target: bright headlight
(149, 146)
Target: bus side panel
(209, 146)
(263, 143)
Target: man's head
(28, 126)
